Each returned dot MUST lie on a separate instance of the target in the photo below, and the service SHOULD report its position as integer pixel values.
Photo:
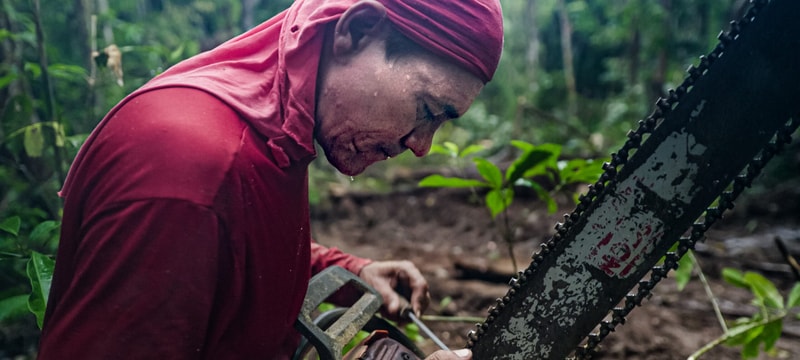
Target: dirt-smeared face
(370, 108)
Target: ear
(361, 23)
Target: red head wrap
(469, 33)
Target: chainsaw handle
(330, 342)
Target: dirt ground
(443, 232)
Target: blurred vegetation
(577, 73)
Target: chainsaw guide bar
(703, 144)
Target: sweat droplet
(352, 179)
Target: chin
(347, 166)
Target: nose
(419, 140)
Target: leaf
(581, 171)
(771, 334)
(546, 167)
(734, 277)
(451, 182)
(67, 72)
(452, 148)
(794, 297)
(34, 140)
(490, 172)
(439, 149)
(498, 200)
(42, 232)
(34, 68)
(740, 334)
(13, 307)
(684, 271)
(750, 348)
(469, 150)
(7, 79)
(40, 274)
(60, 134)
(525, 162)
(764, 290)
(11, 225)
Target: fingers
(461, 354)
(391, 277)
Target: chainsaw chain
(609, 178)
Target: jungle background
(574, 73)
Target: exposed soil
(444, 233)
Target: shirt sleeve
(323, 257)
(144, 284)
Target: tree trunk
(660, 74)
(566, 53)
(532, 53)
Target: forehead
(446, 82)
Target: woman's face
(370, 108)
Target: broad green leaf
(34, 69)
(498, 200)
(742, 332)
(58, 129)
(523, 145)
(452, 148)
(13, 307)
(490, 172)
(67, 72)
(734, 277)
(43, 231)
(684, 271)
(794, 297)
(525, 162)
(11, 225)
(581, 171)
(750, 348)
(176, 54)
(438, 149)
(40, 274)
(772, 332)
(764, 289)
(469, 150)
(7, 79)
(34, 140)
(452, 182)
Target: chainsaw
(674, 177)
(703, 144)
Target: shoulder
(168, 143)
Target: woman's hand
(396, 280)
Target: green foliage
(534, 162)
(533, 166)
(28, 272)
(684, 271)
(762, 330)
(40, 272)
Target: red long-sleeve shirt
(181, 239)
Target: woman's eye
(428, 113)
